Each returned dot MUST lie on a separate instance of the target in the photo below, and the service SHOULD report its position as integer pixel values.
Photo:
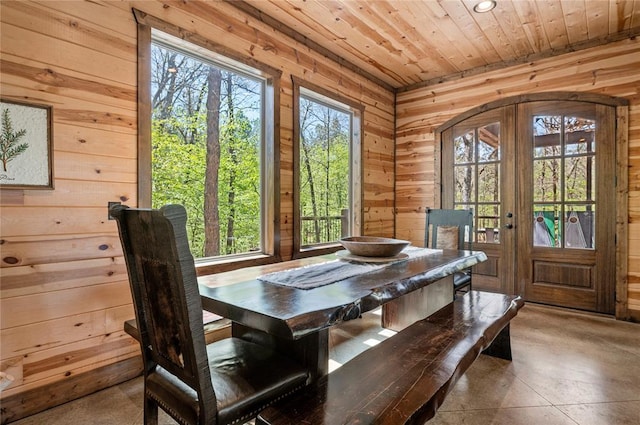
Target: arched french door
(540, 176)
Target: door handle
(509, 226)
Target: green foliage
(324, 171)
(178, 170)
(178, 178)
(9, 146)
(181, 85)
(240, 174)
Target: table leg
(417, 305)
(312, 350)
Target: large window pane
(324, 147)
(207, 143)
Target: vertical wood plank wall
(613, 70)
(64, 291)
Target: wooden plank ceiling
(408, 43)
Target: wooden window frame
(356, 191)
(271, 149)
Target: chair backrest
(449, 229)
(165, 293)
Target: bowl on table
(373, 246)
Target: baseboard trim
(33, 401)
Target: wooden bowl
(373, 246)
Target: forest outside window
(212, 147)
(327, 170)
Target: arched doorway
(540, 173)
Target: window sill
(318, 250)
(207, 266)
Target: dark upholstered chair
(451, 229)
(227, 382)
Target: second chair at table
(451, 229)
(227, 382)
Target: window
(211, 146)
(476, 172)
(564, 181)
(327, 170)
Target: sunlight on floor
(387, 333)
(371, 342)
(333, 365)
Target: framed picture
(26, 151)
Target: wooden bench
(405, 379)
(215, 327)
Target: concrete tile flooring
(569, 368)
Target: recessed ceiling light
(484, 6)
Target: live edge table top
(292, 313)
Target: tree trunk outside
(211, 212)
(232, 172)
(314, 207)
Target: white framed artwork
(26, 151)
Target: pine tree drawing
(9, 146)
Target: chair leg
(463, 289)
(150, 411)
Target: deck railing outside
(324, 229)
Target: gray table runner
(317, 275)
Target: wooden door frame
(560, 275)
(622, 172)
(506, 116)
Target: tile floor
(569, 368)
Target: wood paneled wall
(612, 70)
(64, 291)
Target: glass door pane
(563, 181)
(476, 163)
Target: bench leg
(501, 345)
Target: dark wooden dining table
(297, 321)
